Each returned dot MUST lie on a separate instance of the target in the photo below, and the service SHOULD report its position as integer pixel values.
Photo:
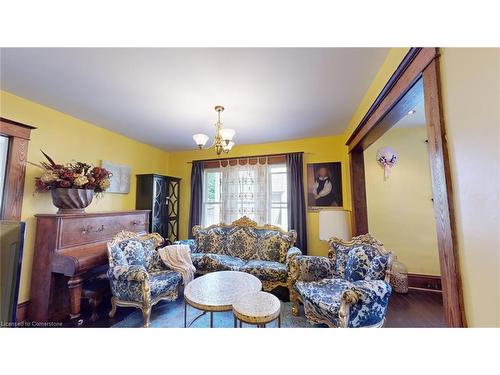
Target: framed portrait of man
(324, 185)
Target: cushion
(211, 240)
(341, 254)
(377, 268)
(133, 251)
(242, 242)
(196, 258)
(358, 262)
(322, 298)
(153, 259)
(217, 262)
(163, 282)
(117, 257)
(266, 270)
(273, 245)
(314, 268)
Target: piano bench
(95, 289)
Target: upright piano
(69, 248)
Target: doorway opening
(417, 74)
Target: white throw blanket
(178, 258)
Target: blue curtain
(196, 207)
(296, 199)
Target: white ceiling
(161, 96)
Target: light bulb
(227, 134)
(200, 139)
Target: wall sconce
(387, 157)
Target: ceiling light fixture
(411, 112)
(222, 139)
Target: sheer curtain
(245, 192)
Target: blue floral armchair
(349, 288)
(137, 275)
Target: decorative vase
(399, 277)
(71, 201)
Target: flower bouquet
(72, 185)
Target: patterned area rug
(171, 315)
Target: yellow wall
(470, 81)
(390, 64)
(66, 138)
(400, 209)
(322, 149)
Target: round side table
(217, 291)
(257, 308)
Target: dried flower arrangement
(74, 175)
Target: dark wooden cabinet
(160, 194)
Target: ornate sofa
(349, 288)
(137, 275)
(263, 251)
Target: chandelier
(222, 139)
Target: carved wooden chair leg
(146, 314)
(113, 308)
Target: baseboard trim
(22, 311)
(426, 282)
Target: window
(212, 211)
(278, 209)
(274, 196)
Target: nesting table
(218, 291)
(258, 308)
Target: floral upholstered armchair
(263, 251)
(137, 275)
(349, 288)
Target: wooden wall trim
(22, 312)
(359, 216)
(14, 179)
(428, 282)
(422, 64)
(385, 90)
(19, 135)
(12, 128)
(442, 194)
(404, 78)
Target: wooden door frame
(19, 136)
(419, 63)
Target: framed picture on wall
(324, 185)
(120, 179)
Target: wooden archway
(419, 63)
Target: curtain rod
(247, 157)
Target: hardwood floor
(417, 309)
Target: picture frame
(120, 179)
(324, 185)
